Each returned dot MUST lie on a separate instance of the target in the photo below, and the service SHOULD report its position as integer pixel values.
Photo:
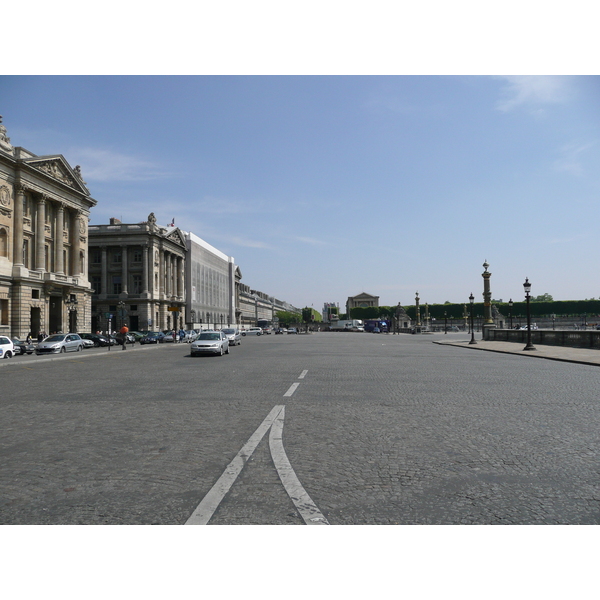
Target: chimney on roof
(115, 221)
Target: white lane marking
(303, 374)
(292, 389)
(302, 501)
(205, 510)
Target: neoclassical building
(44, 213)
(362, 300)
(137, 272)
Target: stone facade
(210, 285)
(137, 272)
(44, 214)
(362, 300)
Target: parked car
(210, 342)
(170, 335)
(292, 330)
(233, 335)
(376, 330)
(96, 338)
(253, 331)
(267, 330)
(190, 336)
(87, 343)
(136, 335)
(153, 337)
(60, 343)
(21, 347)
(7, 349)
(280, 331)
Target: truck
(347, 325)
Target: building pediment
(58, 168)
(364, 296)
(176, 236)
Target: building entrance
(35, 321)
(55, 322)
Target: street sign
(173, 308)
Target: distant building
(211, 279)
(44, 211)
(362, 300)
(331, 312)
(137, 272)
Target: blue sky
(322, 187)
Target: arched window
(3, 242)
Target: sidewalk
(583, 356)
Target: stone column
(18, 231)
(59, 265)
(145, 270)
(488, 321)
(161, 272)
(76, 243)
(40, 235)
(104, 270)
(180, 267)
(124, 270)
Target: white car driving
(210, 342)
(7, 348)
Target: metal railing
(571, 339)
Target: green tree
(542, 298)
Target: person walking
(123, 333)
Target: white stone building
(44, 213)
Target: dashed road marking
(303, 374)
(291, 390)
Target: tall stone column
(59, 265)
(145, 270)
(124, 270)
(488, 321)
(40, 235)
(76, 243)
(180, 284)
(18, 231)
(161, 272)
(104, 270)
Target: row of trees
(539, 308)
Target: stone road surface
(380, 429)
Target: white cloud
(569, 161)
(311, 241)
(528, 90)
(105, 165)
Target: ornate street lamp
(445, 322)
(527, 287)
(510, 305)
(418, 311)
(471, 300)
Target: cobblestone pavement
(381, 429)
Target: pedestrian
(29, 338)
(123, 333)
(181, 335)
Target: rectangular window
(137, 284)
(97, 284)
(137, 256)
(96, 257)
(116, 281)
(117, 256)
(3, 312)
(35, 294)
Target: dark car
(22, 347)
(153, 337)
(99, 340)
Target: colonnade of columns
(170, 271)
(39, 263)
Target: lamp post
(510, 305)
(471, 300)
(418, 313)
(553, 319)
(445, 323)
(527, 287)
